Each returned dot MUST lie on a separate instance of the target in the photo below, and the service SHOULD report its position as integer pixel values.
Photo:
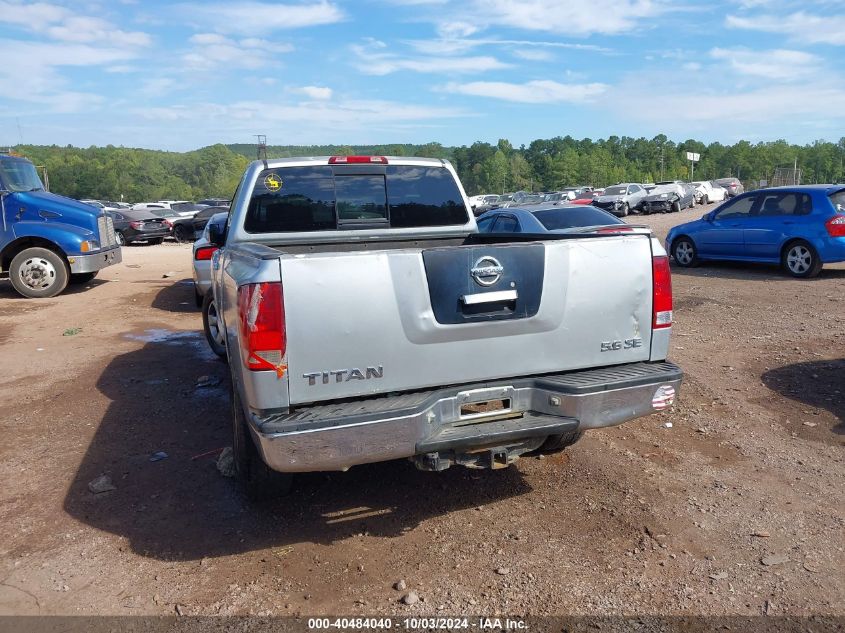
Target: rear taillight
(204, 253)
(262, 327)
(836, 226)
(348, 160)
(136, 225)
(661, 292)
(168, 223)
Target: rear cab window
(575, 217)
(323, 197)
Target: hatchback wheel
(801, 260)
(684, 252)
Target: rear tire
(801, 260)
(82, 278)
(211, 326)
(38, 273)
(557, 443)
(180, 233)
(685, 253)
(261, 482)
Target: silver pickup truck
(366, 319)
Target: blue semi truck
(48, 241)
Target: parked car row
(151, 222)
(623, 198)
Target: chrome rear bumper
(337, 436)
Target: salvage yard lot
(737, 508)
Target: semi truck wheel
(38, 273)
(261, 482)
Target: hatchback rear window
(575, 217)
(294, 199)
(838, 201)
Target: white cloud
(799, 27)
(33, 69)
(779, 64)
(373, 61)
(540, 91)
(306, 122)
(533, 55)
(157, 87)
(315, 92)
(684, 113)
(442, 46)
(251, 17)
(208, 39)
(456, 29)
(573, 17)
(60, 23)
(212, 50)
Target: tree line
(133, 175)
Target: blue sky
(181, 75)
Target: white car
(202, 258)
(706, 192)
(101, 204)
(150, 206)
(182, 208)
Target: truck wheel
(556, 443)
(261, 482)
(82, 278)
(801, 260)
(211, 326)
(38, 273)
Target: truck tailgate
(371, 322)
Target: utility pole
(262, 146)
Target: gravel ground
(737, 509)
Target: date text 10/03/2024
(423, 623)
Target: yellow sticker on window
(272, 182)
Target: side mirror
(217, 235)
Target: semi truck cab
(48, 241)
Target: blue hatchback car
(799, 228)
